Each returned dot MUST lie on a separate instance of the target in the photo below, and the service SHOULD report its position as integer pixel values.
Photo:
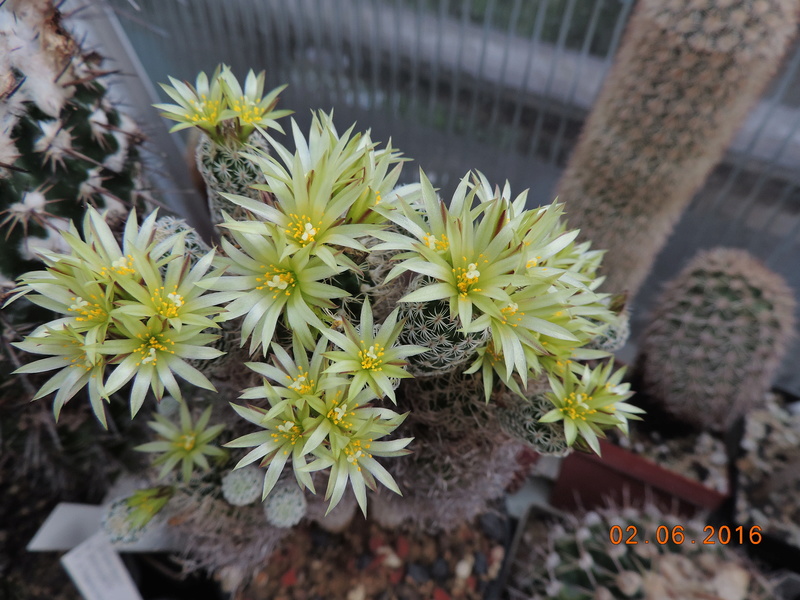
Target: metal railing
(498, 85)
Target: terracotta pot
(588, 481)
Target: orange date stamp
(676, 535)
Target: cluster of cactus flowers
(296, 271)
(228, 117)
(684, 78)
(582, 557)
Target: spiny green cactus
(580, 560)
(228, 117)
(194, 245)
(63, 143)
(520, 419)
(684, 79)
(430, 324)
(716, 337)
(225, 168)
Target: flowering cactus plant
(315, 276)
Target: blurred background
(502, 86)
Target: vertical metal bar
(394, 60)
(338, 51)
(555, 150)
(780, 202)
(244, 24)
(358, 36)
(477, 84)
(217, 38)
(219, 25)
(510, 35)
(321, 51)
(415, 66)
(437, 62)
(559, 49)
(764, 174)
(535, 41)
(177, 28)
(455, 77)
(375, 54)
(619, 27)
(788, 241)
(304, 67)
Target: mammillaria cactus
(716, 337)
(585, 559)
(521, 420)
(683, 80)
(228, 117)
(327, 398)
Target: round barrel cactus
(716, 337)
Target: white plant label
(98, 571)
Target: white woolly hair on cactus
(241, 487)
(286, 505)
(27, 55)
(30, 247)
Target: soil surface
(367, 562)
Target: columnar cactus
(716, 338)
(63, 143)
(587, 558)
(684, 79)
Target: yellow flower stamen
(575, 406)
(277, 280)
(512, 310)
(89, 311)
(372, 357)
(122, 266)
(290, 432)
(434, 244)
(167, 306)
(186, 441)
(355, 451)
(301, 384)
(302, 229)
(151, 346)
(466, 278)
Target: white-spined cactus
(683, 80)
(64, 143)
(286, 505)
